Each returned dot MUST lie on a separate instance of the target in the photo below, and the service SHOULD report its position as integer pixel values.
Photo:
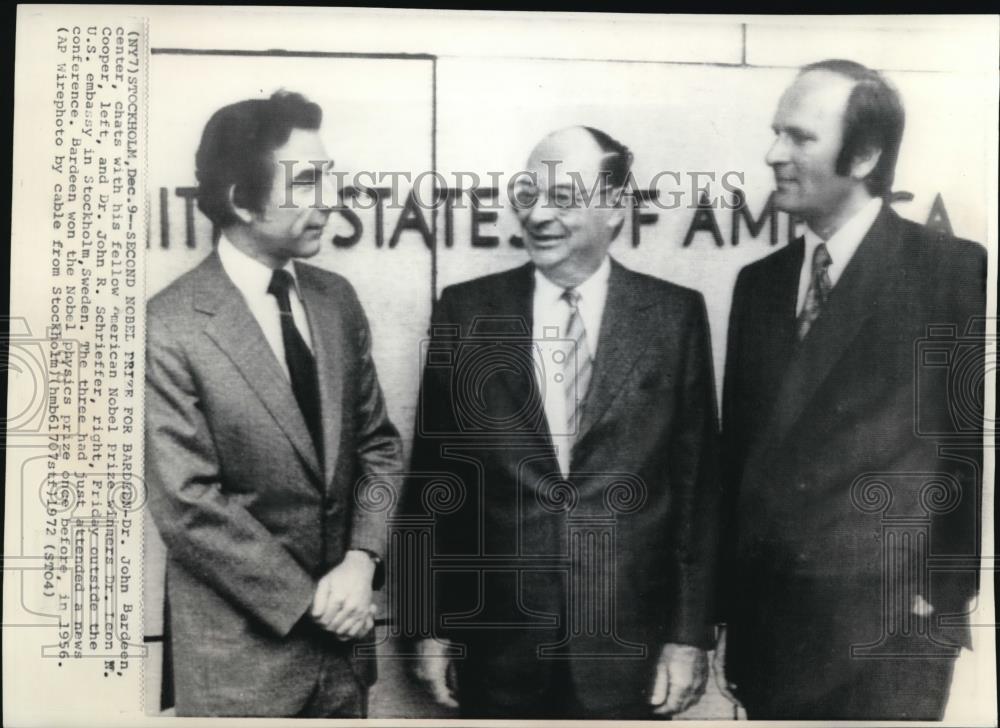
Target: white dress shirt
(252, 278)
(841, 247)
(551, 314)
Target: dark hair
(617, 157)
(874, 119)
(235, 151)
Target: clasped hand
(342, 603)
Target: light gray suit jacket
(250, 517)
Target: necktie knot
(821, 259)
(281, 283)
(572, 297)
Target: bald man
(586, 455)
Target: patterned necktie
(819, 290)
(301, 364)
(577, 370)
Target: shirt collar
(588, 290)
(249, 275)
(844, 242)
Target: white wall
(685, 94)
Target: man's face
(566, 237)
(808, 128)
(289, 224)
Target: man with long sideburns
(827, 406)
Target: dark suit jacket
(250, 517)
(827, 438)
(645, 457)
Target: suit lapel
(236, 332)
(624, 336)
(511, 319)
(326, 326)
(852, 301)
(776, 305)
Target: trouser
(558, 700)
(338, 693)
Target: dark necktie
(301, 364)
(818, 292)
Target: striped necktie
(818, 292)
(577, 369)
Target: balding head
(570, 203)
(815, 179)
(579, 147)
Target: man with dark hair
(873, 118)
(616, 163)
(578, 415)
(263, 411)
(838, 494)
(234, 162)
